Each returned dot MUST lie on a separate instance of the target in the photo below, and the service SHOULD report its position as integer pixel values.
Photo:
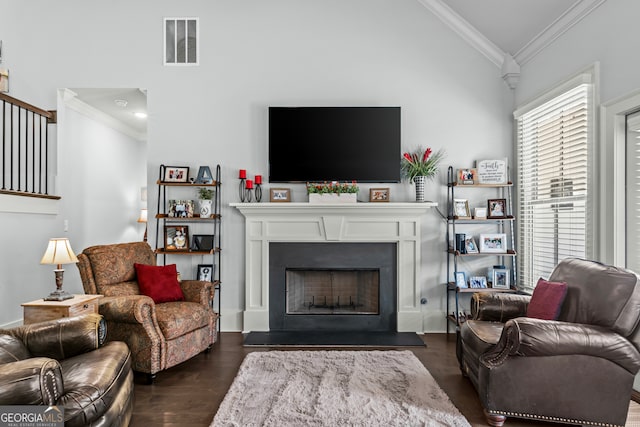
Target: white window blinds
(553, 159)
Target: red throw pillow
(159, 282)
(547, 300)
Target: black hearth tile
(333, 339)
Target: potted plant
(420, 165)
(332, 192)
(205, 196)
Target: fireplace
(397, 224)
(332, 286)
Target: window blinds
(553, 185)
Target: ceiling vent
(181, 44)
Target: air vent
(181, 41)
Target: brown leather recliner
(159, 335)
(578, 369)
(65, 363)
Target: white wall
(256, 53)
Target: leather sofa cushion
(92, 382)
(180, 317)
(12, 349)
(599, 294)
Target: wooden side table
(41, 310)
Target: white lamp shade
(143, 215)
(59, 252)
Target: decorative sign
(204, 175)
(492, 171)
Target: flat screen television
(315, 144)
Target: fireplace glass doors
(331, 291)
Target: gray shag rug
(335, 388)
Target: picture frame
(180, 208)
(470, 246)
(379, 194)
(176, 238)
(480, 213)
(175, 174)
(493, 243)
(203, 242)
(467, 176)
(205, 272)
(501, 278)
(497, 208)
(478, 282)
(492, 171)
(461, 279)
(461, 208)
(279, 195)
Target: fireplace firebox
(332, 286)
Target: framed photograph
(203, 242)
(478, 282)
(493, 243)
(461, 279)
(280, 194)
(467, 176)
(501, 279)
(176, 174)
(379, 194)
(461, 208)
(180, 209)
(470, 246)
(492, 171)
(205, 272)
(480, 213)
(176, 238)
(497, 208)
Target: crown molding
(465, 30)
(71, 101)
(576, 13)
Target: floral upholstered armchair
(159, 334)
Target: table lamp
(59, 252)
(143, 218)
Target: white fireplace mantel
(357, 222)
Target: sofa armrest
(61, 338)
(529, 337)
(198, 291)
(498, 307)
(135, 309)
(34, 381)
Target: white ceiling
(510, 24)
(104, 100)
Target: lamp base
(58, 295)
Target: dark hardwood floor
(189, 394)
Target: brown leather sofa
(578, 369)
(159, 335)
(65, 363)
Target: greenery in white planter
(205, 193)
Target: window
(181, 41)
(554, 194)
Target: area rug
(335, 388)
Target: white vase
(419, 181)
(205, 208)
(333, 198)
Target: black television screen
(311, 144)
